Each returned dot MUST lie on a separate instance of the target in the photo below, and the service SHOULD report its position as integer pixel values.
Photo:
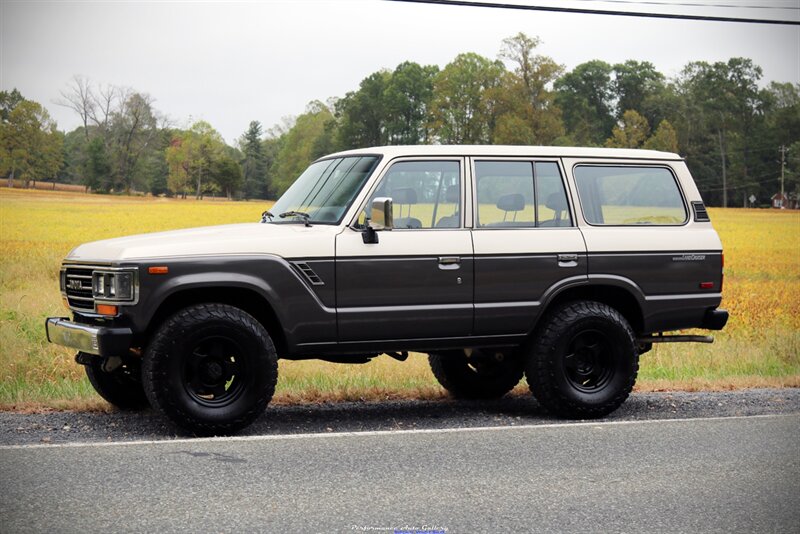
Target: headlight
(113, 285)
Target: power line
(689, 4)
(674, 16)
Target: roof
(511, 151)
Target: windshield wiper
(304, 215)
(265, 215)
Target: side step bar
(675, 339)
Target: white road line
(367, 433)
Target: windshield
(324, 191)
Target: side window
(520, 194)
(552, 207)
(628, 195)
(425, 194)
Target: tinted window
(629, 195)
(510, 194)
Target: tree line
(719, 116)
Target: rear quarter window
(629, 195)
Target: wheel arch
(246, 299)
(616, 292)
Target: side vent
(700, 213)
(309, 273)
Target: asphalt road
(732, 474)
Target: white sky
(233, 62)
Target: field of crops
(759, 347)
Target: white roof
(511, 151)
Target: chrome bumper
(99, 340)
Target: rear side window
(629, 195)
(520, 194)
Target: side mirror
(382, 215)
(382, 219)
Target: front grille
(78, 286)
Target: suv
(559, 264)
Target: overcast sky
(233, 62)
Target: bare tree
(79, 97)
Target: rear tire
(477, 376)
(211, 369)
(121, 387)
(584, 361)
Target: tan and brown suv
(559, 264)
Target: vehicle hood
(285, 240)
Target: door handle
(567, 260)
(449, 262)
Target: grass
(760, 347)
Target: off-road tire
(583, 361)
(122, 387)
(211, 369)
(476, 377)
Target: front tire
(211, 369)
(477, 375)
(584, 361)
(121, 387)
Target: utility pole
(783, 167)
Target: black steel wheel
(476, 374)
(583, 362)
(121, 387)
(211, 369)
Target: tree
(8, 101)
(461, 113)
(585, 97)
(665, 138)
(133, 127)
(190, 157)
(253, 162)
(97, 169)
(362, 114)
(633, 83)
(407, 97)
(226, 174)
(632, 131)
(527, 113)
(298, 146)
(30, 146)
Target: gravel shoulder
(80, 427)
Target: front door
(417, 281)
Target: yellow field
(759, 347)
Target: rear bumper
(715, 319)
(99, 340)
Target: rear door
(417, 281)
(526, 243)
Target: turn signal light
(160, 269)
(107, 309)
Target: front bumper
(99, 340)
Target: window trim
(533, 161)
(633, 165)
(460, 160)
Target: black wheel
(584, 361)
(478, 374)
(211, 369)
(122, 387)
